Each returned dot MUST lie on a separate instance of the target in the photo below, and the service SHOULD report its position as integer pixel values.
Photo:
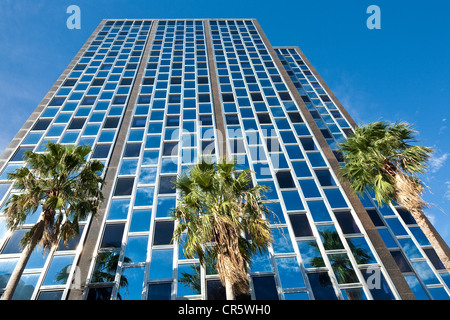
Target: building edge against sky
(150, 96)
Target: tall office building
(151, 96)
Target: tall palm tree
(219, 205)
(381, 156)
(65, 185)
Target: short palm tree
(222, 215)
(381, 156)
(65, 185)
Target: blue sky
(398, 73)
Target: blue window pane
(140, 220)
(136, 249)
(416, 287)
(131, 289)
(169, 165)
(26, 286)
(33, 138)
(150, 157)
(319, 211)
(6, 269)
(378, 286)
(425, 272)
(153, 142)
(294, 152)
(144, 196)
(309, 188)
(396, 227)
(55, 131)
(420, 236)
(70, 137)
(188, 280)
(335, 198)
(265, 288)
(329, 237)
(161, 264)
(310, 253)
(165, 206)
(289, 273)
(301, 169)
(147, 175)
(410, 248)
(261, 263)
(321, 286)
(91, 129)
(281, 240)
(159, 291)
(272, 192)
(262, 170)
(361, 250)
(387, 238)
(129, 167)
(276, 216)
(316, 159)
(119, 209)
(439, 294)
(59, 270)
(292, 200)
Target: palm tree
(381, 156)
(65, 185)
(219, 205)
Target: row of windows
(177, 120)
(418, 273)
(254, 79)
(80, 113)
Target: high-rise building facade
(152, 96)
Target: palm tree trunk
(229, 290)
(21, 264)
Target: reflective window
(140, 220)
(26, 286)
(321, 286)
(118, 209)
(281, 240)
(318, 211)
(144, 196)
(112, 236)
(265, 288)
(346, 222)
(289, 273)
(6, 269)
(215, 290)
(380, 289)
(310, 253)
(136, 249)
(105, 267)
(165, 206)
(131, 284)
(163, 232)
(59, 269)
(102, 293)
(188, 280)
(124, 186)
(161, 264)
(300, 225)
(159, 291)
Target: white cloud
(437, 163)
(447, 192)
